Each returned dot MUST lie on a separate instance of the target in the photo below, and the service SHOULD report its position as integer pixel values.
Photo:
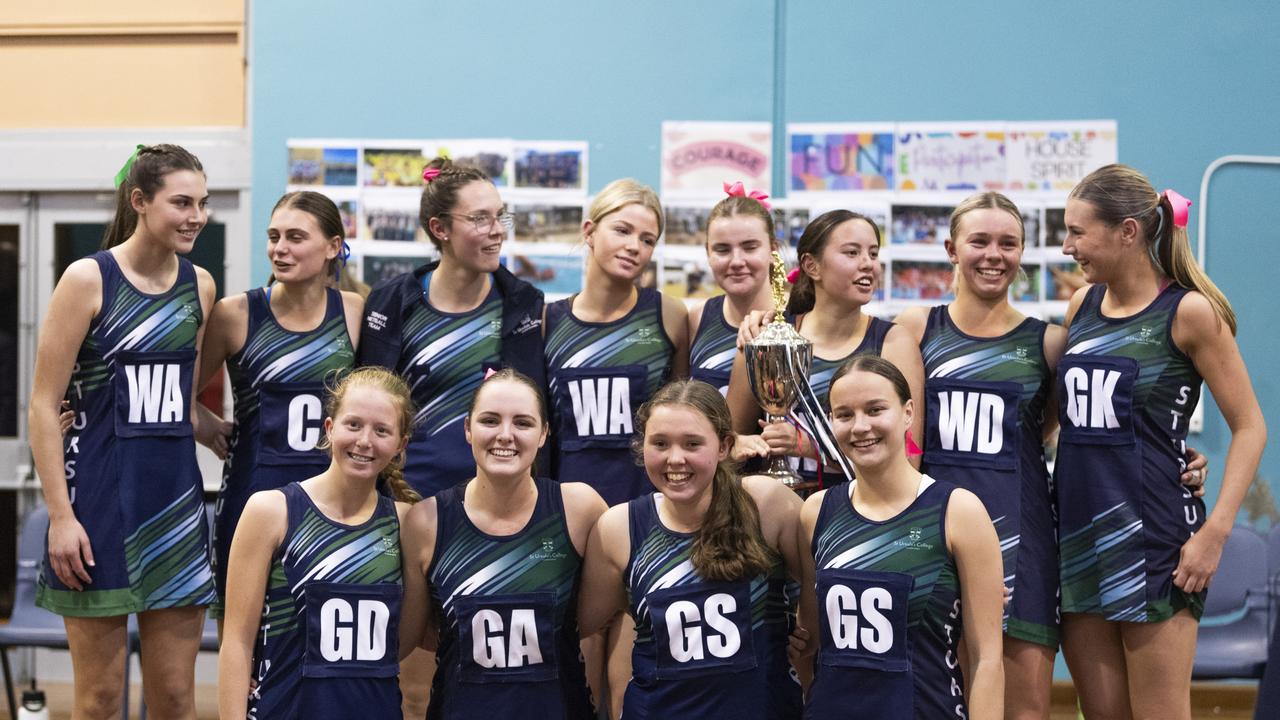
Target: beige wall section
(149, 63)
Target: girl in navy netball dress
(441, 327)
(496, 563)
(314, 586)
(897, 567)
(838, 273)
(988, 375)
(700, 564)
(444, 324)
(127, 531)
(609, 347)
(280, 344)
(1136, 549)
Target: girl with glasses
(441, 327)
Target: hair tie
(1180, 205)
(490, 373)
(737, 190)
(430, 173)
(794, 275)
(128, 165)
(343, 255)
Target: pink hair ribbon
(430, 173)
(737, 190)
(912, 447)
(793, 276)
(1181, 207)
(490, 373)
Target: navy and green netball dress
(1125, 396)
(328, 645)
(888, 611)
(444, 358)
(509, 635)
(131, 461)
(599, 375)
(714, 346)
(821, 371)
(703, 649)
(278, 377)
(985, 400)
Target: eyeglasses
(483, 222)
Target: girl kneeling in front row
(896, 564)
(314, 578)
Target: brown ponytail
(812, 242)
(151, 164)
(729, 545)
(379, 378)
(1119, 192)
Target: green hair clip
(128, 165)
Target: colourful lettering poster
(950, 156)
(824, 157)
(1049, 156)
(699, 157)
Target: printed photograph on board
(390, 223)
(922, 280)
(376, 268)
(687, 275)
(555, 273)
(920, 224)
(550, 166)
(393, 167)
(1055, 227)
(686, 225)
(1061, 280)
(348, 209)
(546, 222)
(306, 166)
(1026, 287)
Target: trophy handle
(778, 468)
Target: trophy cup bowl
(777, 360)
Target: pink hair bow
(794, 275)
(1181, 207)
(737, 190)
(430, 173)
(490, 373)
(911, 447)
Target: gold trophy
(778, 361)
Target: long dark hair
(729, 545)
(147, 173)
(812, 242)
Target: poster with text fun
(1054, 156)
(699, 157)
(950, 157)
(839, 157)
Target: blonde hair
(621, 193)
(729, 545)
(378, 378)
(1119, 192)
(987, 201)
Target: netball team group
(451, 499)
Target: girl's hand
(1196, 472)
(751, 326)
(798, 645)
(70, 552)
(67, 418)
(746, 447)
(1198, 560)
(782, 438)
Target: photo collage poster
(377, 185)
(907, 177)
(914, 174)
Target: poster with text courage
(699, 157)
(965, 157)
(1054, 156)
